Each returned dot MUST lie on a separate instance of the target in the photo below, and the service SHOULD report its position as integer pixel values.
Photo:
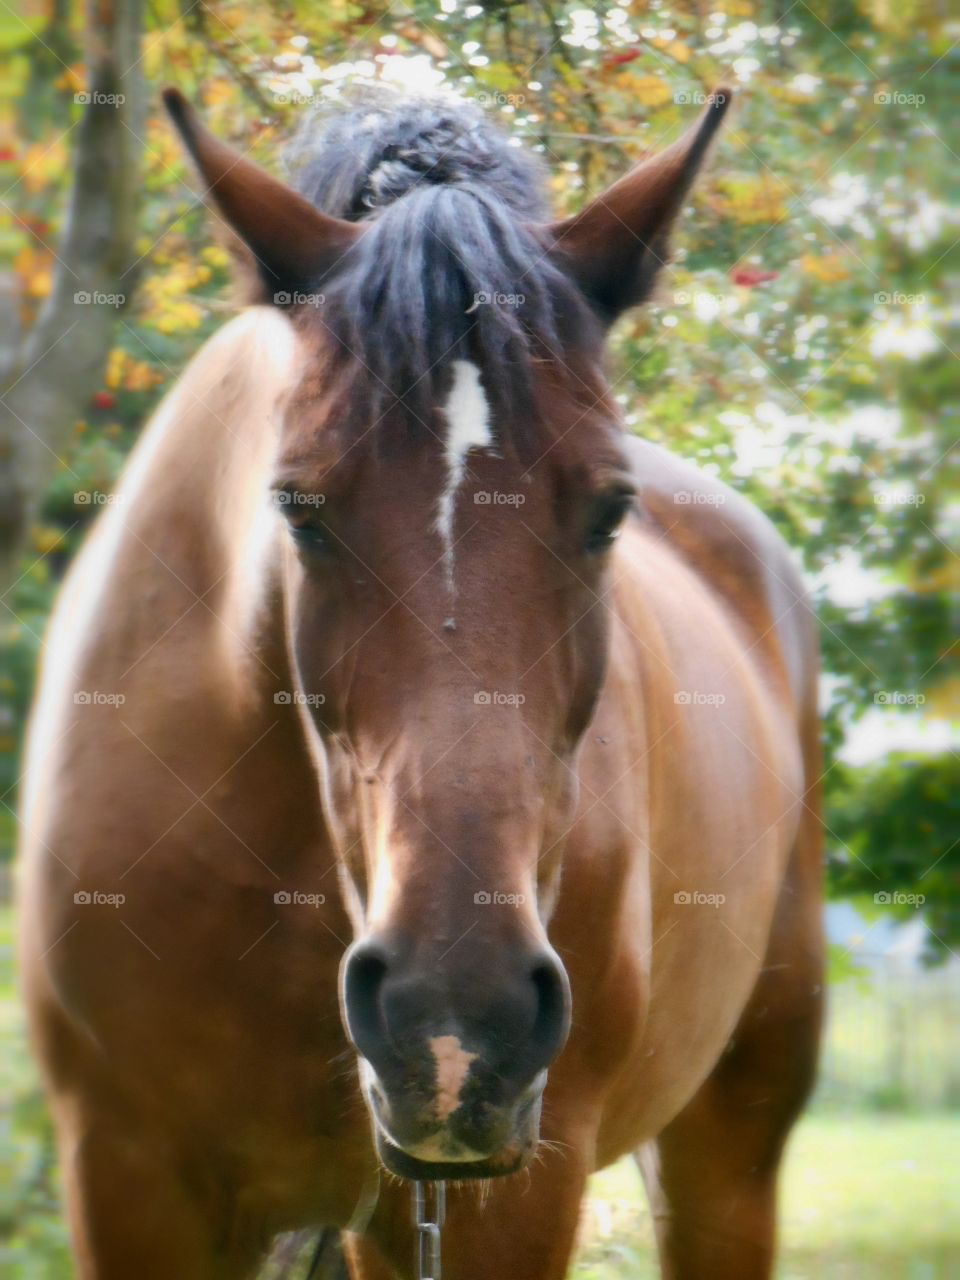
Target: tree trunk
(49, 380)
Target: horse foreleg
(711, 1175)
(133, 1218)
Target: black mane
(452, 208)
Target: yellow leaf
(40, 284)
(115, 368)
(944, 700)
(141, 376)
(216, 256)
(679, 51)
(72, 78)
(830, 268)
(45, 162)
(650, 91)
(46, 538)
(753, 201)
(33, 266)
(217, 91)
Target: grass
(866, 1195)
(870, 1197)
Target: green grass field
(866, 1195)
(874, 1197)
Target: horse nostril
(515, 1026)
(553, 1008)
(365, 972)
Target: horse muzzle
(454, 1062)
(479, 1139)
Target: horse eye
(606, 523)
(309, 537)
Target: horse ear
(615, 246)
(293, 244)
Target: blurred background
(804, 347)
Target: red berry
(747, 277)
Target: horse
(422, 784)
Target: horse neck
(208, 536)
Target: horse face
(444, 593)
(448, 626)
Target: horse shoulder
(149, 606)
(738, 555)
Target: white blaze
(468, 420)
(453, 1067)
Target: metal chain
(428, 1228)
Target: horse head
(452, 481)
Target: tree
(800, 346)
(50, 373)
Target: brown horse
(373, 776)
